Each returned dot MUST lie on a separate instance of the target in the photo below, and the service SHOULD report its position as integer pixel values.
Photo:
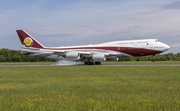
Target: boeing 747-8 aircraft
(92, 54)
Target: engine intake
(72, 56)
(99, 57)
(112, 59)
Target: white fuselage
(130, 48)
(92, 54)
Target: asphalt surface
(103, 65)
(143, 65)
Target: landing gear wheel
(97, 63)
(88, 63)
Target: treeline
(158, 57)
(16, 56)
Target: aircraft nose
(167, 47)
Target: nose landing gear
(153, 60)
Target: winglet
(28, 40)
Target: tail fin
(28, 40)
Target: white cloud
(176, 45)
(175, 5)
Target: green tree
(2, 58)
(16, 58)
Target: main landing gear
(97, 63)
(92, 63)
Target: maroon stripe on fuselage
(140, 51)
(128, 50)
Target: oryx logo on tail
(28, 42)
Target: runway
(99, 65)
(143, 65)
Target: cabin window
(159, 47)
(157, 41)
(123, 43)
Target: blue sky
(81, 22)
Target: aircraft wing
(61, 53)
(71, 55)
(85, 54)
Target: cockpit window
(157, 41)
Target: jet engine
(112, 59)
(99, 57)
(72, 56)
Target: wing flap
(55, 52)
(59, 53)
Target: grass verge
(89, 88)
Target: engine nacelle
(72, 56)
(112, 59)
(99, 57)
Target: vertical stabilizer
(27, 40)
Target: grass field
(84, 88)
